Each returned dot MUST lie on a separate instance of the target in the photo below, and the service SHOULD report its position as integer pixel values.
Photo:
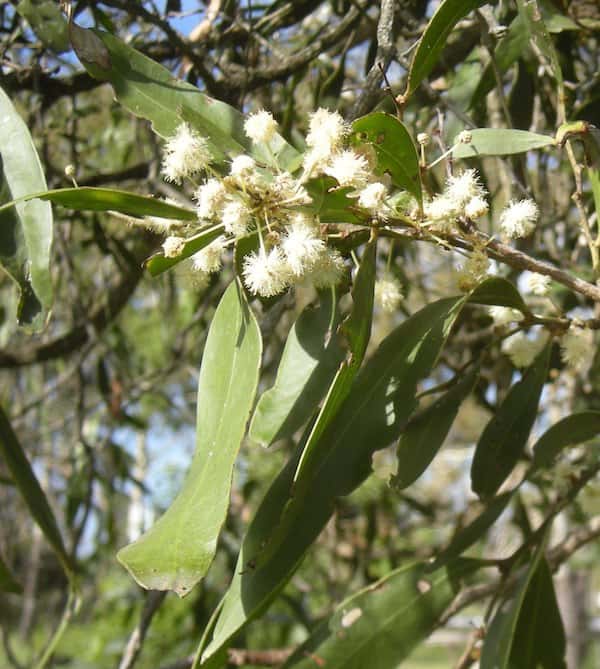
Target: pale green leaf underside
(178, 550)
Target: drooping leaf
(434, 39)
(508, 51)
(356, 329)
(570, 431)
(25, 479)
(505, 436)
(7, 580)
(112, 199)
(395, 149)
(47, 22)
(539, 639)
(26, 228)
(470, 534)
(500, 292)
(530, 12)
(379, 626)
(177, 551)
(147, 89)
(507, 625)
(426, 432)
(308, 364)
(159, 263)
(371, 416)
(501, 142)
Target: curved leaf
(26, 228)
(308, 364)
(150, 91)
(499, 292)
(31, 491)
(395, 149)
(466, 537)
(425, 433)
(158, 263)
(505, 436)
(521, 619)
(380, 625)
(177, 551)
(379, 403)
(569, 431)
(539, 637)
(434, 39)
(501, 142)
(112, 199)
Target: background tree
(461, 230)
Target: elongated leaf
(570, 431)
(499, 292)
(505, 436)
(308, 364)
(158, 263)
(111, 199)
(434, 39)
(148, 90)
(395, 149)
(501, 142)
(539, 640)
(377, 407)
(177, 551)
(31, 491)
(470, 534)
(508, 51)
(357, 331)
(501, 634)
(380, 625)
(331, 203)
(425, 434)
(7, 580)
(530, 12)
(26, 228)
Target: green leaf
(308, 364)
(499, 292)
(31, 491)
(379, 626)
(505, 436)
(539, 35)
(149, 90)
(371, 416)
(158, 263)
(178, 550)
(520, 619)
(470, 534)
(357, 330)
(508, 51)
(595, 183)
(569, 431)
(47, 22)
(395, 149)
(111, 199)
(26, 228)
(539, 639)
(435, 37)
(501, 142)
(331, 203)
(7, 580)
(426, 432)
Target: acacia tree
(377, 227)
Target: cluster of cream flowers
(259, 198)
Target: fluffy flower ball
(185, 154)
(519, 219)
(260, 126)
(388, 293)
